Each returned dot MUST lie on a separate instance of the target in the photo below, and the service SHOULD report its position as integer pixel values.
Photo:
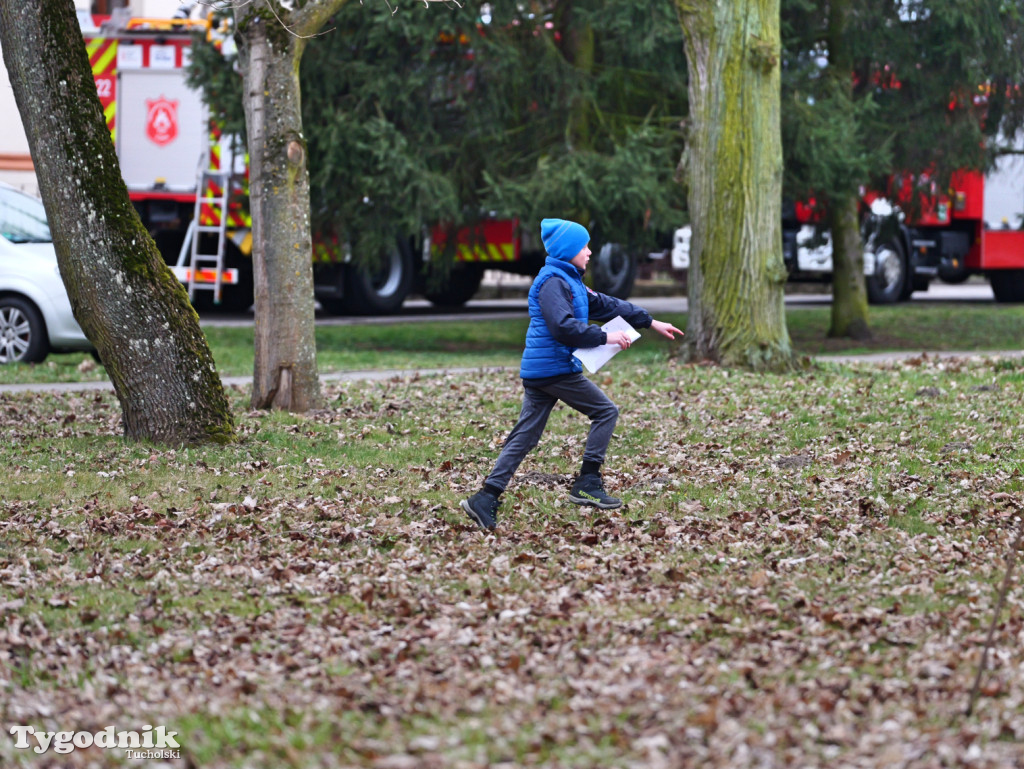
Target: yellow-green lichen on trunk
(734, 176)
(849, 296)
(849, 292)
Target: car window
(22, 218)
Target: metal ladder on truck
(202, 264)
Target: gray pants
(577, 391)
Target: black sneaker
(589, 490)
(482, 507)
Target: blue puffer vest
(543, 356)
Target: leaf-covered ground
(802, 575)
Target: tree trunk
(733, 170)
(123, 295)
(285, 374)
(849, 294)
(579, 49)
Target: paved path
(883, 357)
(513, 308)
(244, 381)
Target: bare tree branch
(1011, 561)
(303, 20)
(235, 6)
(290, 31)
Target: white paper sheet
(595, 357)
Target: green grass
(915, 327)
(421, 345)
(500, 342)
(804, 566)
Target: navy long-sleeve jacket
(556, 307)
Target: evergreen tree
(417, 115)
(875, 87)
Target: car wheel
(22, 332)
(887, 285)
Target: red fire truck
(164, 145)
(190, 189)
(917, 232)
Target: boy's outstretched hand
(665, 329)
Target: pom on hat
(563, 239)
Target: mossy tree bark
(271, 39)
(733, 173)
(123, 295)
(849, 291)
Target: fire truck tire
(463, 282)
(891, 281)
(614, 270)
(22, 332)
(1007, 285)
(380, 290)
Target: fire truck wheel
(380, 290)
(463, 282)
(890, 280)
(1007, 285)
(614, 268)
(22, 332)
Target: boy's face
(581, 259)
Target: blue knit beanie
(563, 239)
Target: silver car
(35, 314)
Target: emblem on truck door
(161, 120)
